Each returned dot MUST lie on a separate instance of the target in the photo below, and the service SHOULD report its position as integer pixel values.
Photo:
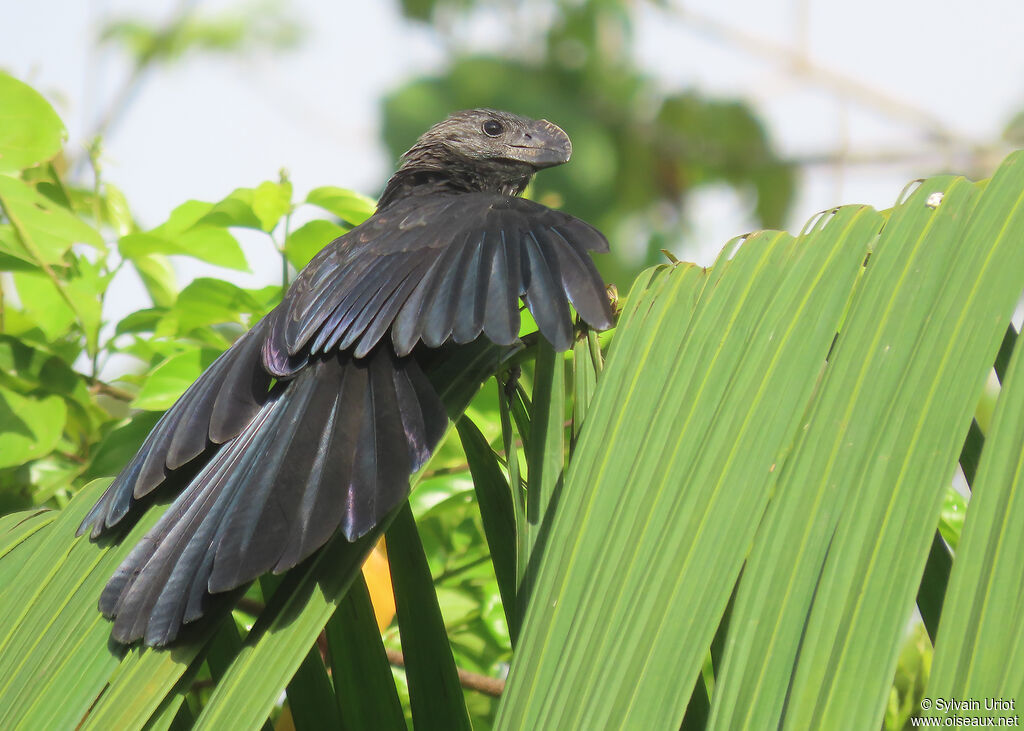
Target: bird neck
(424, 172)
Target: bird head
(480, 150)
(492, 136)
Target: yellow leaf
(377, 573)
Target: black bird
(314, 419)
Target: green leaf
(158, 278)
(16, 528)
(199, 230)
(951, 293)
(951, 520)
(165, 383)
(45, 230)
(311, 696)
(546, 454)
(211, 244)
(586, 364)
(30, 131)
(29, 427)
(704, 389)
(21, 363)
(496, 511)
(187, 215)
(934, 583)
(207, 301)
(434, 689)
(141, 321)
(516, 490)
(234, 210)
(53, 642)
(363, 682)
(978, 650)
(13, 254)
(279, 642)
(304, 242)
(118, 214)
(349, 206)
(270, 202)
(42, 301)
(85, 288)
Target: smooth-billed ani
(314, 419)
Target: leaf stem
(284, 257)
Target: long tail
(332, 448)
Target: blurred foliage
(252, 26)
(910, 681)
(639, 151)
(1013, 133)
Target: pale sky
(204, 127)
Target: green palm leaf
(732, 446)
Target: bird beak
(542, 145)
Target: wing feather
(214, 409)
(469, 257)
(409, 322)
(581, 282)
(544, 295)
(331, 449)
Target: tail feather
(331, 449)
(282, 468)
(192, 429)
(151, 590)
(317, 510)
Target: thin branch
(98, 386)
(485, 684)
(97, 187)
(129, 89)
(284, 255)
(799, 64)
(122, 100)
(978, 155)
(250, 606)
(474, 681)
(462, 568)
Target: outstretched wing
(427, 269)
(445, 267)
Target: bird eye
(493, 128)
